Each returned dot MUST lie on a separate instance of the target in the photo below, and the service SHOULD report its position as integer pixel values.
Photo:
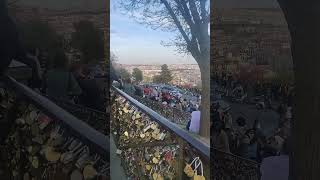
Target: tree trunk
(305, 127)
(205, 97)
(304, 26)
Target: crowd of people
(72, 83)
(231, 86)
(173, 114)
(249, 141)
(172, 105)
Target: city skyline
(134, 43)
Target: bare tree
(189, 19)
(113, 57)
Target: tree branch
(176, 21)
(203, 11)
(194, 12)
(182, 6)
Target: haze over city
(134, 43)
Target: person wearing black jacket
(11, 46)
(91, 96)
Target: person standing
(91, 95)
(195, 121)
(60, 82)
(179, 106)
(128, 87)
(138, 90)
(219, 137)
(227, 118)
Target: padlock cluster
(175, 115)
(147, 150)
(134, 128)
(39, 147)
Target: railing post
(206, 169)
(180, 163)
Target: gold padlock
(157, 176)
(198, 177)
(137, 116)
(157, 154)
(51, 155)
(125, 110)
(148, 167)
(188, 170)
(155, 160)
(142, 135)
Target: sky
(134, 43)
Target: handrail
(96, 138)
(197, 144)
(235, 156)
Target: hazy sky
(134, 43)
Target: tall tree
(137, 74)
(89, 40)
(165, 74)
(156, 79)
(190, 20)
(125, 75)
(304, 27)
(113, 57)
(110, 69)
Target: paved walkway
(269, 118)
(117, 172)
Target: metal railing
(94, 118)
(133, 148)
(197, 144)
(227, 166)
(78, 128)
(171, 113)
